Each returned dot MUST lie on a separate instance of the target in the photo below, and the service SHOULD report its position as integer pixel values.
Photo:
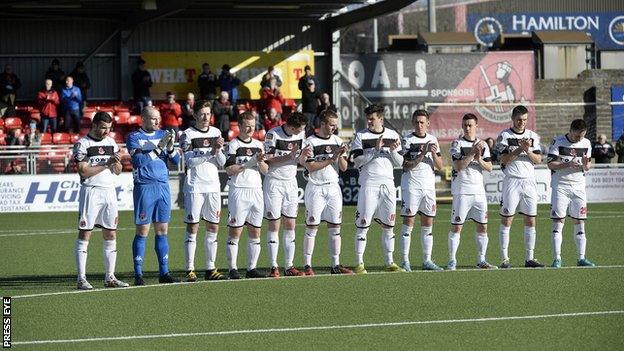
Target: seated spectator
(207, 83)
(15, 137)
(266, 78)
(272, 96)
(494, 154)
(33, 139)
(224, 112)
(170, 112)
(56, 74)
(187, 111)
(47, 102)
(13, 168)
(70, 103)
(9, 84)
(82, 81)
(602, 150)
(272, 120)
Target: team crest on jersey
(291, 146)
(269, 136)
(328, 149)
(249, 152)
(573, 152)
(83, 223)
(206, 142)
(101, 150)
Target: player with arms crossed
(569, 160)
(151, 148)
(375, 152)
(471, 157)
(245, 201)
(324, 153)
(283, 146)
(97, 156)
(421, 154)
(202, 146)
(520, 151)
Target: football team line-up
(376, 151)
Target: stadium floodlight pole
(432, 15)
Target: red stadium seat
(135, 121)
(73, 138)
(119, 138)
(52, 161)
(2, 124)
(126, 161)
(234, 126)
(46, 138)
(88, 113)
(12, 123)
(61, 138)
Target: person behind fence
(619, 148)
(224, 112)
(71, 98)
(9, 85)
(141, 83)
(150, 149)
(57, 75)
(266, 78)
(170, 112)
(569, 159)
(202, 146)
(98, 159)
(602, 150)
(188, 119)
(207, 83)
(309, 103)
(229, 83)
(47, 102)
(82, 81)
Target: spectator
(272, 96)
(325, 104)
(223, 111)
(48, 102)
(82, 81)
(70, 103)
(13, 168)
(9, 84)
(170, 112)
(141, 83)
(188, 120)
(494, 153)
(15, 137)
(310, 103)
(207, 83)
(603, 151)
(33, 139)
(266, 78)
(619, 148)
(56, 74)
(303, 81)
(272, 120)
(229, 83)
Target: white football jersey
(562, 149)
(521, 166)
(204, 177)
(422, 176)
(323, 149)
(240, 152)
(469, 180)
(380, 170)
(278, 143)
(96, 153)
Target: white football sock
(360, 244)
(81, 257)
(210, 245)
(289, 247)
(556, 238)
(406, 240)
(387, 242)
(232, 253)
(253, 252)
(580, 239)
(308, 245)
(426, 240)
(109, 249)
(503, 241)
(190, 244)
(335, 243)
(529, 243)
(453, 244)
(273, 246)
(482, 244)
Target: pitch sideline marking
(322, 327)
(19, 233)
(227, 281)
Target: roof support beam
(367, 12)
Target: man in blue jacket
(71, 100)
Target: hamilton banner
(405, 82)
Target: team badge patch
(189, 217)
(363, 221)
(206, 142)
(457, 219)
(83, 223)
(392, 217)
(328, 149)
(291, 146)
(233, 220)
(101, 150)
(408, 211)
(270, 214)
(249, 152)
(142, 216)
(505, 211)
(311, 219)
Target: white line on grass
(18, 233)
(320, 327)
(227, 281)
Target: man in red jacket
(272, 96)
(47, 102)
(170, 113)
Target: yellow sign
(178, 71)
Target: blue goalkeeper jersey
(149, 168)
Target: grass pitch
(569, 308)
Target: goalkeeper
(150, 149)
